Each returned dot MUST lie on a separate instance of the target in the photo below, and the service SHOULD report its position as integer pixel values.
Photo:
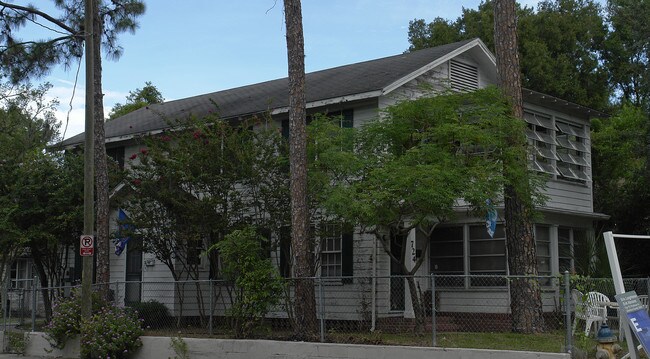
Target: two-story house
(558, 131)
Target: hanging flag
(491, 218)
(122, 232)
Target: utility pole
(89, 159)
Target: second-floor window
(558, 147)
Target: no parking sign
(86, 245)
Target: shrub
(66, 318)
(153, 314)
(112, 332)
(258, 285)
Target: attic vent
(463, 77)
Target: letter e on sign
(87, 245)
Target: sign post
(637, 317)
(618, 282)
(87, 246)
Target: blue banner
(123, 230)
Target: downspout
(374, 285)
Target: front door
(133, 278)
(396, 275)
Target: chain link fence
(446, 311)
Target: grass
(545, 342)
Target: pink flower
(137, 181)
(133, 156)
(144, 151)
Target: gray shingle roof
(359, 78)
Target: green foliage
(258, 286)
(137, 99)
(561, 45)
(621, 181)
(34, 58)
(628, 53)
(203, 179)
(180, 347)
(40, 190)
(66, 319)
(111, 331)
(413, 165)
(17, 342)
(152, 313)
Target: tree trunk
(42, 277)
(101, 170)
(526, 303)
(418, 306)
(304, 291)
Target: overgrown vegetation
(111, 332)
(258, 286)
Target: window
(559, 147)
(540, 137)
(487, 256)
(447, 254)
(463, 77)
(543, 246)
(345, 117)
(567, 238)
(117, 155)
(572, 151)
(335, 251)
(194, 250)
(331, 255)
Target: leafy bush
(153, 314)
(66, 318)
(258, 285)
(111, 332)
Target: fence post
(5, 302)
(211, 305)
(567, 310)
(34, 284)
(433, 310)
(322, 309)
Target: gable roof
(356, 81)
(368, 79)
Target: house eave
(333, 100)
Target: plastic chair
(579, 307)
(595, 310)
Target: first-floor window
(543, 246)
(336, 253)
(485, 257)
(331, 256)
(567, 239)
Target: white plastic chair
(595, 310)
(578, 307)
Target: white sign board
(86, 245)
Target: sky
(192, 47)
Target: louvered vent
(463, 77)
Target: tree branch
(41, 14)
